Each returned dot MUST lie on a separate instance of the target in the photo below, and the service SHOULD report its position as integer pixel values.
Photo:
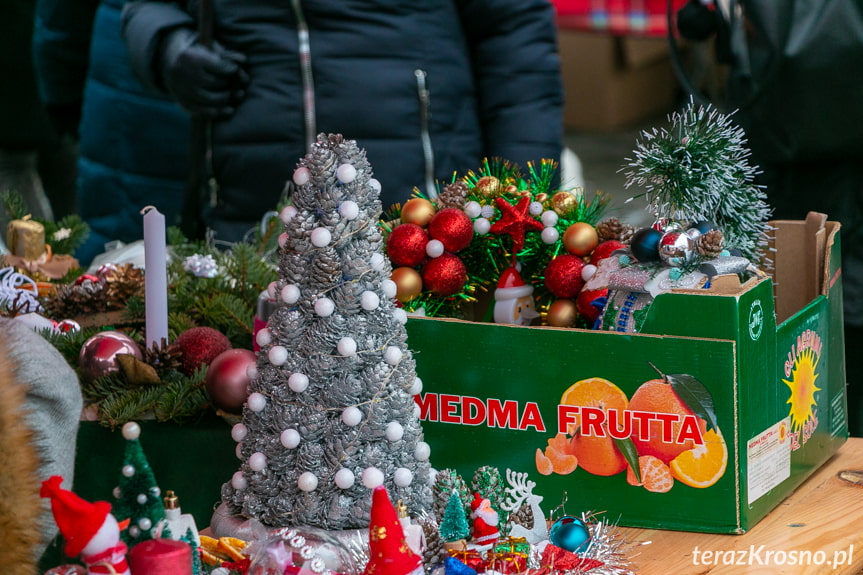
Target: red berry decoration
(453, 228)
(588, 301)
(563, 276)
(445, 275)
(406, 245)
(604, 250)
(199, 346)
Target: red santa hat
(389, 553)
(77, 519)
(511, 286)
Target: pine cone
(453, 195)
(614, 229)
(433, 542)
(163, 358)
(74, 300)
(523, 517)
(123, 283)
(710, 244)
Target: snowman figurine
(90, 529)
(513, 299)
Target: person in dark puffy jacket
(428, 89)
(133, 143)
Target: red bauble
(199, 346)
(604, 250)
(445, 275)
(453, 228)
(585, 303)
(98, 355)
(227, 381)
(406, 245)
(563, 276)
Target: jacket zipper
(425, 136)
(306, 72)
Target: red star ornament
(514, 221)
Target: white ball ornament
(375, 185)
(272, 289)
(352, 416)
(369, 300)
(416, 410)
(277, 355)
(349, 210)
(134, 531)
(257, 461)
(128, 470)
(549, 235)
(588, 272)
(395, 431)
(307, 482)
(238, 451)
(344, 478)
(290, 294)
(416, 386)
(392, 355)
(400, 315)
(264, 337)
(390, 288)
(346, 173)
(321, 237)
(535, 208)
(283, 240)
(377, 261)
(288, 213)
(487, 211)
(238, 481)
(372, 477)
(422, 451)
(549, 218)
(325, 307)
(145, 522)
(256, 402)
(403, 477)
(347, 346)
(290, 438)
(118, 493)
(252, 371)
(481, 226)
(141, 498)
(239, 432)
(434, 249)
(298, 382)
(472, 209)
(302, 176)
(131, 431)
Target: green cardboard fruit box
(772, 368)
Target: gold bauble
(580, 239)
(417, 211)
(409, 283)
(563, 203)
(562, 313)
(488, 186)
(541, 197)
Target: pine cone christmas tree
(710, 244)
(489, 484)
(447, 481)
(453, 195)
(329, 415)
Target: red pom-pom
(406, 245)
(585, 303)
(563, 276)
(445, 275)
(199, 346)
(453, 228)
(604, 250)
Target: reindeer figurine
(518, 493)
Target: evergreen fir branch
(182, 398)
(66, 235)
(13, 204)
(128, 405)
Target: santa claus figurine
(90, 529)
(485, 519)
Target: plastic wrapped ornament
(676, 249)
(98, 355)
(308, 550)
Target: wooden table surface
(818, 529)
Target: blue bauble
(703, 226)
(644, 244)
(570, 533)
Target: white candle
(155, 277)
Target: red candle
(161, 557)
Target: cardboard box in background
(492, 393)
(613, 82)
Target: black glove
(206, 81)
